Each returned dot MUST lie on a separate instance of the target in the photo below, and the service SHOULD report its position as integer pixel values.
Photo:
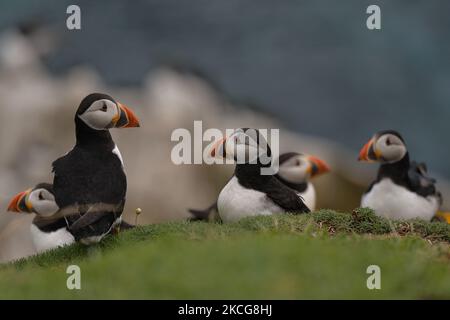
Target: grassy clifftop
(319, 255)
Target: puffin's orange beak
(126, 118)
(366, 149)
(214, 150)
(318, 166)
(444, 215)
(18, 203)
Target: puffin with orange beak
(252, 190)
(402, 189)
(51, 227)
(90, 180)
(295, 171)
(48, 229)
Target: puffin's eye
(104, 107)
(388, 141)
(298, 162)
(41, 197)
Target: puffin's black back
(88, 175)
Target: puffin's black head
(101, 112)
(245, 146)
(299, 168)
(385, 146)
(39, 200)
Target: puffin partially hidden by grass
(90, 180)
(250, 192)
(296, 170)
(402, 189)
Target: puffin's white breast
(309, 196)
(44, 241)
(236, 202)
(116, 151)
(392, 201)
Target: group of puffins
(87, 197)
(401, 190)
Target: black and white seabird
(249, 192)
(295, 171)
(48, 229)
(90, 179)
(402, 189)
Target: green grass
(319, 255)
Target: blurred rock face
(37, 127)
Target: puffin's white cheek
(46, 208)
(98, 120)
(293, 174)
(393, 153)
(381, 147)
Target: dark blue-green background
(313, 63)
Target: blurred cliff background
(310, 68)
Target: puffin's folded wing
(89, 233)
(285, 197)
(87, 219)
(419, 180)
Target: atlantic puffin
(48, 229)
(295, 171)
(402, 189)
(51, 227)
(90, 179)
(250, 192)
